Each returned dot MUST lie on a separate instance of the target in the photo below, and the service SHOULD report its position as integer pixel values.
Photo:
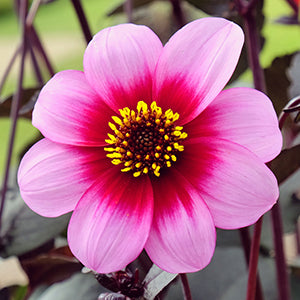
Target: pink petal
(182, 236)
(119, 64)
(69, 111)
(111, 223)
(53, 177)
(196, 64)
(244, 116)
(235, 184)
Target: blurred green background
(59, 30)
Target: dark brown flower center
(145, 141)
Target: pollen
(145, 140)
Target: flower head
(148, 151)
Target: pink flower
(148, 151)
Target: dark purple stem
(15, 106)
(128, 10)
(252, 42)
(246, 242)
(11, 63)
(293, 5)
(253, 262)
(185, 286)
(35, 40)
(83, 21)
(178, 12)
(281, 268)
(35, 65)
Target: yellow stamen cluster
(146, 140)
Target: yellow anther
(126, 169)
(166, 156)
(138, 156)
(153, 166)
(147, 157)
(178, 128)
(119, 134)
(156, 171)
(175, 117)
(138, 165)
(132, 115)
(169, 148)
(161, 130)
(167, 123)
(176, 145)
(173, 157)
(125, 112)
(168, 163)
(181, 148)
(166, 137)
(116, 161)
(176, 133)
(112, 126)
(153, 106)
(157, 155)
(158, 148)
(126, 122)
(117, 120)
(145, 170)
(183, 135)
(114, 155)
(138, 119)
(128, 153)
(157, 121)
(125, 143)
(148, 124)
(128, 163)
(112, 137)
(110, 149)
(142, 106)
(137, 174)
(109, 142)
(127, 134)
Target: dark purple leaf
(29, 97)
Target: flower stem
(15, 105)
(10, 65)
(35, 65)
(128, 10)
(246, 242)
(253, 262)
(252, 41)
(178, 12)
(35, 40)
(83, 21)
(282, 275)
(185, 286)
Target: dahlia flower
(148, 151)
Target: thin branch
(246, 242)
(252, 278)
(35, 65)
(128, 10)
(252, 42)
(185, 285)
(178, 12)
(83, 21)
(35, 41)
(281, 268)
(15, 105)
(10, 65)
